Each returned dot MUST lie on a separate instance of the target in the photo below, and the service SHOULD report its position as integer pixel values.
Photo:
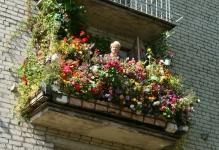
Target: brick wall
(195, 41)
(12, 135)
(25, 136)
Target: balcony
(99, 119)
(126, 101)
(145, 19)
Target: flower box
(90, 118)
(107, 108)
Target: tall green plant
(54, 20)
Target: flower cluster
(75, 47)
(143, 86)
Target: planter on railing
(102, 107)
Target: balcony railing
(99, 120)
(157, 8)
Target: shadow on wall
(4, 127)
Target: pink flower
(84, 40)
(67, 69)
(65, 39)
(82, 33)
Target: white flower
(95, 68)
(156, 103)
(154, 78)
(81, 7)
(48, 58)
(132, 106)
(161, 61)
(167, 62)
(139, 103)
(147, 90)
(54, 57)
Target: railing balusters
(146, 6)
(136, 5)
(141, 7)
(161, 6)
(169, 10)
(166, 9)
(158, 8)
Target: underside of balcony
(95, 120)
(127, 22)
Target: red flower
(94, 90)
(67, 69)
(84, 40)
(77, 87)
(82, 33)
(24, 79)
(97, 51)
(65, 39)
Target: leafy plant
(65, 56)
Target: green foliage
(160, 47)
(55, 19)
(30, 73)
(101, 43)
(64, 60)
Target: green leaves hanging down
(56, 19)
(69, 14)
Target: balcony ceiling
(123, 21)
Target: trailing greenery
(55, 20)
(161, 48)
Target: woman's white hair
(115, 43)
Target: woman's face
(114, 49)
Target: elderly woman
(115, 47)
(114, 54)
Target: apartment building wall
(196, 43)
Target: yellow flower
(136, 84)
(121, 97)
(62, 44)
(132, 81)
(134, 99)
(152, 98)
(162, 78)
(149, 50)
(141, 99)
(73, 45)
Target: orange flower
(152, 98)
(24, 79)
(63, 76)
(75, 74)
(168, 74)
